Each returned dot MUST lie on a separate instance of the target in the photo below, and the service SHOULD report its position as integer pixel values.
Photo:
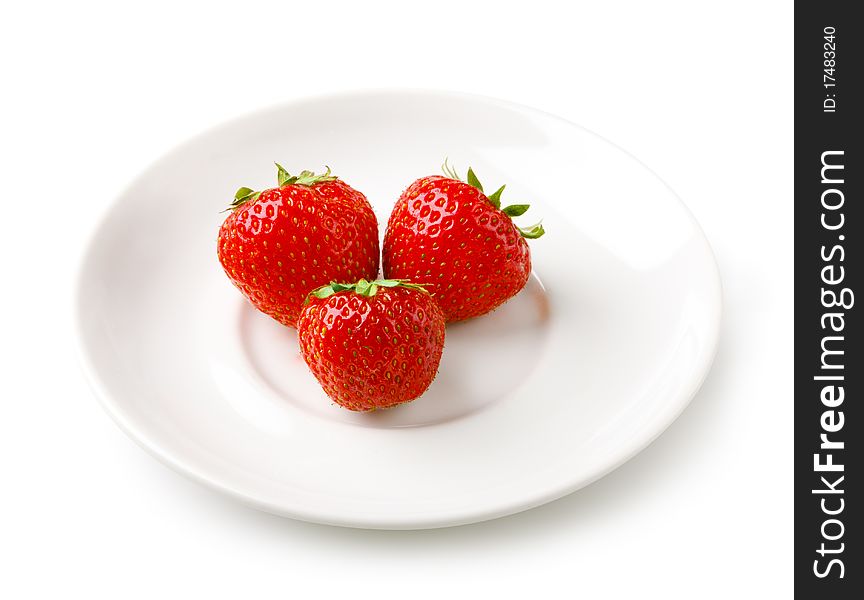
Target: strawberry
(372, 344)
(278, 245)
(458, 242)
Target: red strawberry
(372, 344)
(278, 245)
(458, 242)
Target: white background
(95, 91)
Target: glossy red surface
(373, 352)
(448, 235)
(291, 240)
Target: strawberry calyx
(304, 178)
(362, 288)
(514, 210)
(283, 177)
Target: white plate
(595, 358)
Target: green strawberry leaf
(324, 292)
(514, 210)
(533, 232)
(362, 288)
(473, 181)
(243, 192)
(495, 197)
(242, 196)
(306, 178)
(282, 176)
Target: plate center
(484, 360)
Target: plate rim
(465, 516)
